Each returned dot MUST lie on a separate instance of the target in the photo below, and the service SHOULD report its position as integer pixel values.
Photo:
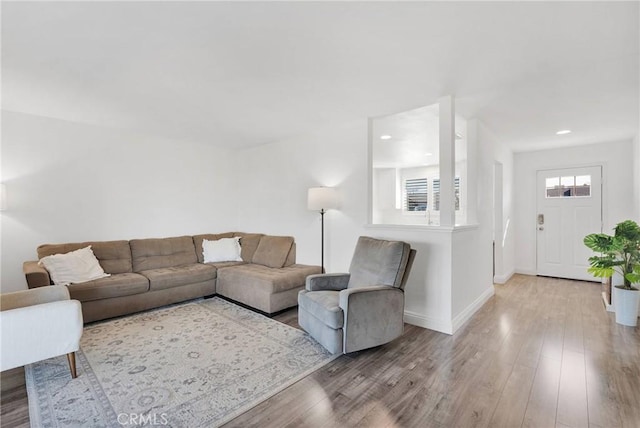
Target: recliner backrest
(379, 262)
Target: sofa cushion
(150, 254)
(113, 256)
(272, 251)
(197, 241)
(122, 284)
(323, 305)
(265, 279)
(248, 243)
(162, 278)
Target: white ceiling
(239, 74)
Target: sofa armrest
(35, 333)
(327, 281)
(36, 275)
(373, 316)
(36, 296)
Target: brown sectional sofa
(147, 273)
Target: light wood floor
(541, 353)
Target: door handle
(540, 228)
(540, 219)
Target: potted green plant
(621, 253)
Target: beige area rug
(198, 364)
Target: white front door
(569, 205)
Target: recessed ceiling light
(385, 137)
(564, 132)
(428, 154)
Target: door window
(570, 186)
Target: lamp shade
(322, 198)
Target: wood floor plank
(553, 342)
(543, 400)
(511, 408)
(574, 333)
(479, 398)
(529, 354)
(14, 406)
(572, 394)
(604, 409)
(627, 386)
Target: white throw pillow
(73, 267)
(221, 250)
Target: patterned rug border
(36, 416)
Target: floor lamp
(322, 199)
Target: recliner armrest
(348, 293)
(327, 281)
(36, 275)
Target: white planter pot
(627, 304)
(617, 279)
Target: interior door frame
(603, 195)
(498, 217)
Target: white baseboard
(449, 327)
(472, 308)
(427, 322)
(502, 279)
(526, 272)
(607, 306)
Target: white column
(447, 160)
(472, 171)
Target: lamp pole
(321, 199)
(322, 211)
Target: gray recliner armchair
(348, 312)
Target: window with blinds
(436, 193)
(416, 191)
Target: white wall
(616, 159)
(471, 271)
(472, 282)
(504, 233)
(71, 182)
(277, 176)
